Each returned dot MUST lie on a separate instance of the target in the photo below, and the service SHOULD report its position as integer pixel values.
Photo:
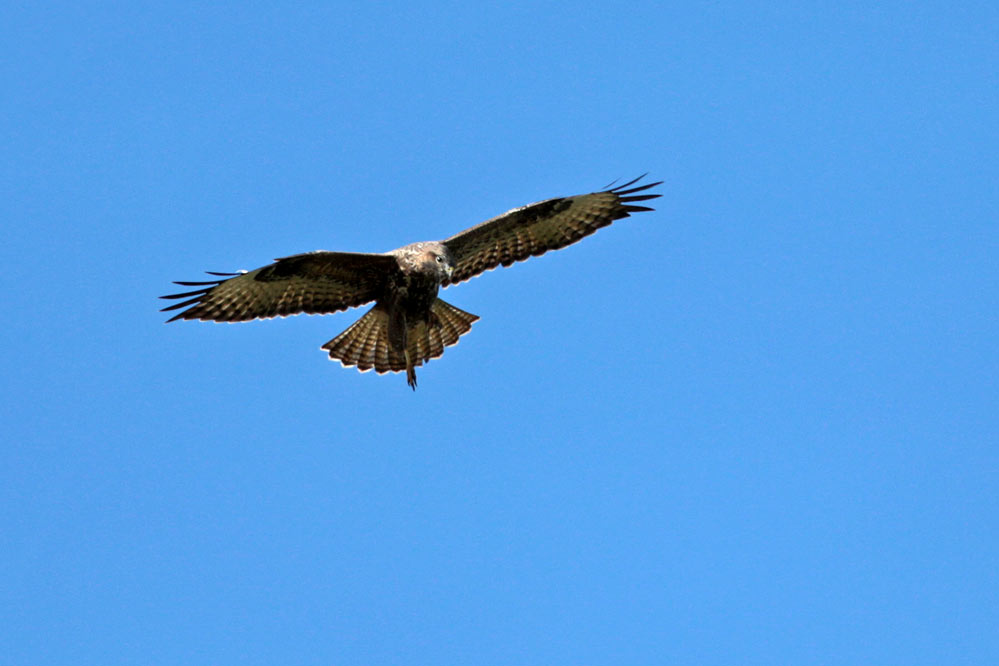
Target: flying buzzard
(408, 324)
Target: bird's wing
(547, 225)
(314, 283)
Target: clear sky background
(758, 425)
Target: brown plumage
(409, 324)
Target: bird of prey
(409, 324)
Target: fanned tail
(366, 343)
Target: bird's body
(408, 324)
(422, 269)
(418, 325)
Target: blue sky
(758, 425)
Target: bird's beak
(449, 270)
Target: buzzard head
(443, 260)
(429, 258)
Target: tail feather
(365, 343)
(453, 323)
(360, 342)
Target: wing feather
(313, 283)
(547, 225)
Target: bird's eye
(440, 259)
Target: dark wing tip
(610, 187)
(641, 197)
(623, 189)
(628, 195)
(177, 306)
(198, 294)
(622, 186)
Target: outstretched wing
(547, 225)
(315, 283)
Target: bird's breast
(414, 291)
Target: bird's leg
(410, 370)
(398, 338)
